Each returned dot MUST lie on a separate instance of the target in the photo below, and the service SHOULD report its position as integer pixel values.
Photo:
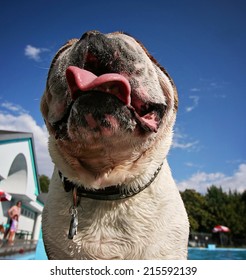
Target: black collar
(109, 193)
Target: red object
(21, 251)
(220, 228)
(4, 196)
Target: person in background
(1, 230)
(13, 211)
(13, 229)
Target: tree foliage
(44, 182)
(216, 207)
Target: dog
(109, 108)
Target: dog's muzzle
(99, 70)
(81, 81)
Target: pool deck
(32, 249)
(18, 247)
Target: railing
(19, 246)
(23, 234)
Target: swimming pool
(193, 254)
(216, 254)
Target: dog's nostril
(89, 33)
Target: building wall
(18, 177)
(25, 177)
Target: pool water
(24, 256)
(193, 254)
(216, 254)
(40, 251)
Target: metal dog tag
(73, 223)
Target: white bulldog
(110, 109)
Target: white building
(19, 178)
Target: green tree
(44, 183)
(196, 207)
(235, 210)
(217, 207)
(217, 201)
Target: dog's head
(109, 108)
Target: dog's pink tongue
(80, 80)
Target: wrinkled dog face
(107, 103)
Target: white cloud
(24, 122)
(193, 165)
(195, 100)
(200, 181)
(13, 107)
(195, 89)
(184, 146)
(180, 141)
(235, 161)
(34, 53)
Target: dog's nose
(89, 34)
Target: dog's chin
(99, 114)
(94, 114)
(98, 134)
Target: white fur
(150, 225)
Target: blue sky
(201, 44)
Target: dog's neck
(115, 192)
(110, 193)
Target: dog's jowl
(110, 108)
